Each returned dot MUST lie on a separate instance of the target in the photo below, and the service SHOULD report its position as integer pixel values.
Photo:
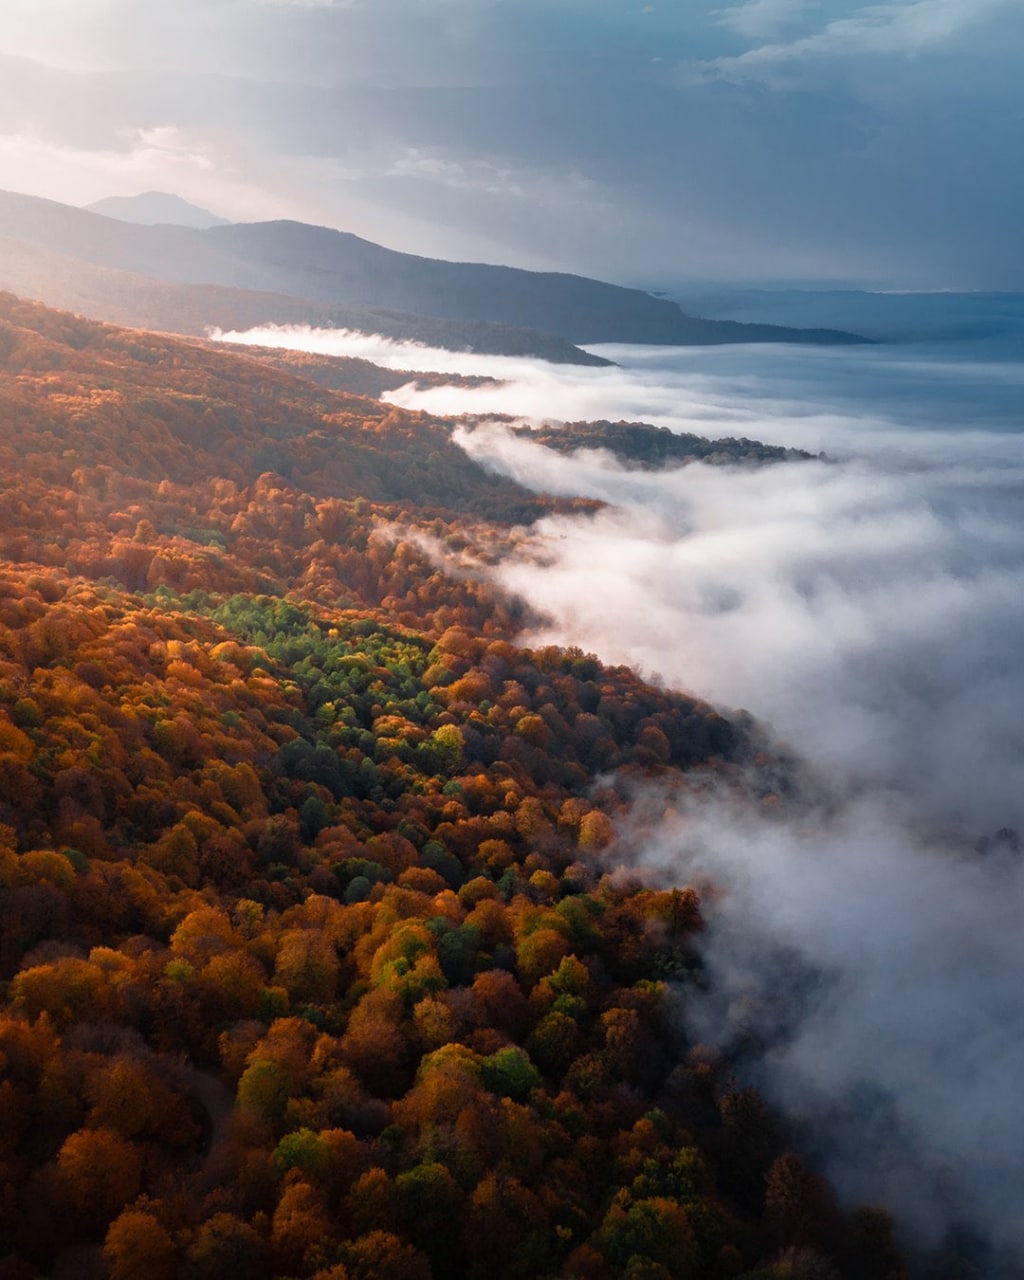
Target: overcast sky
(773, 140)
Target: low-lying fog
(870, 608)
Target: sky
(767, 141)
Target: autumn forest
(318, 957)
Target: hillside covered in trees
(316, 956)
(640, 446)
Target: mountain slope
(126, 298)
(152, 408)
(332, 267)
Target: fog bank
(870, 609)
(871, 613)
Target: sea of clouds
(869, 607)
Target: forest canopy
(317, 958)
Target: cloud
(311, 4)
(165, 157)
(449, 129)
(414, 357)
(843, 604)
(57, 33)
(434, 166)
(898, 28)
(869, 980)
(145, 154)
(757, 19)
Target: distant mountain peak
(155, 208)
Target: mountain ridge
(324, 266)
(126, 298)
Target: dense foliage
(645, 447)
(314, 961)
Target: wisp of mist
(869, 607)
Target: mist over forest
(866, 605)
